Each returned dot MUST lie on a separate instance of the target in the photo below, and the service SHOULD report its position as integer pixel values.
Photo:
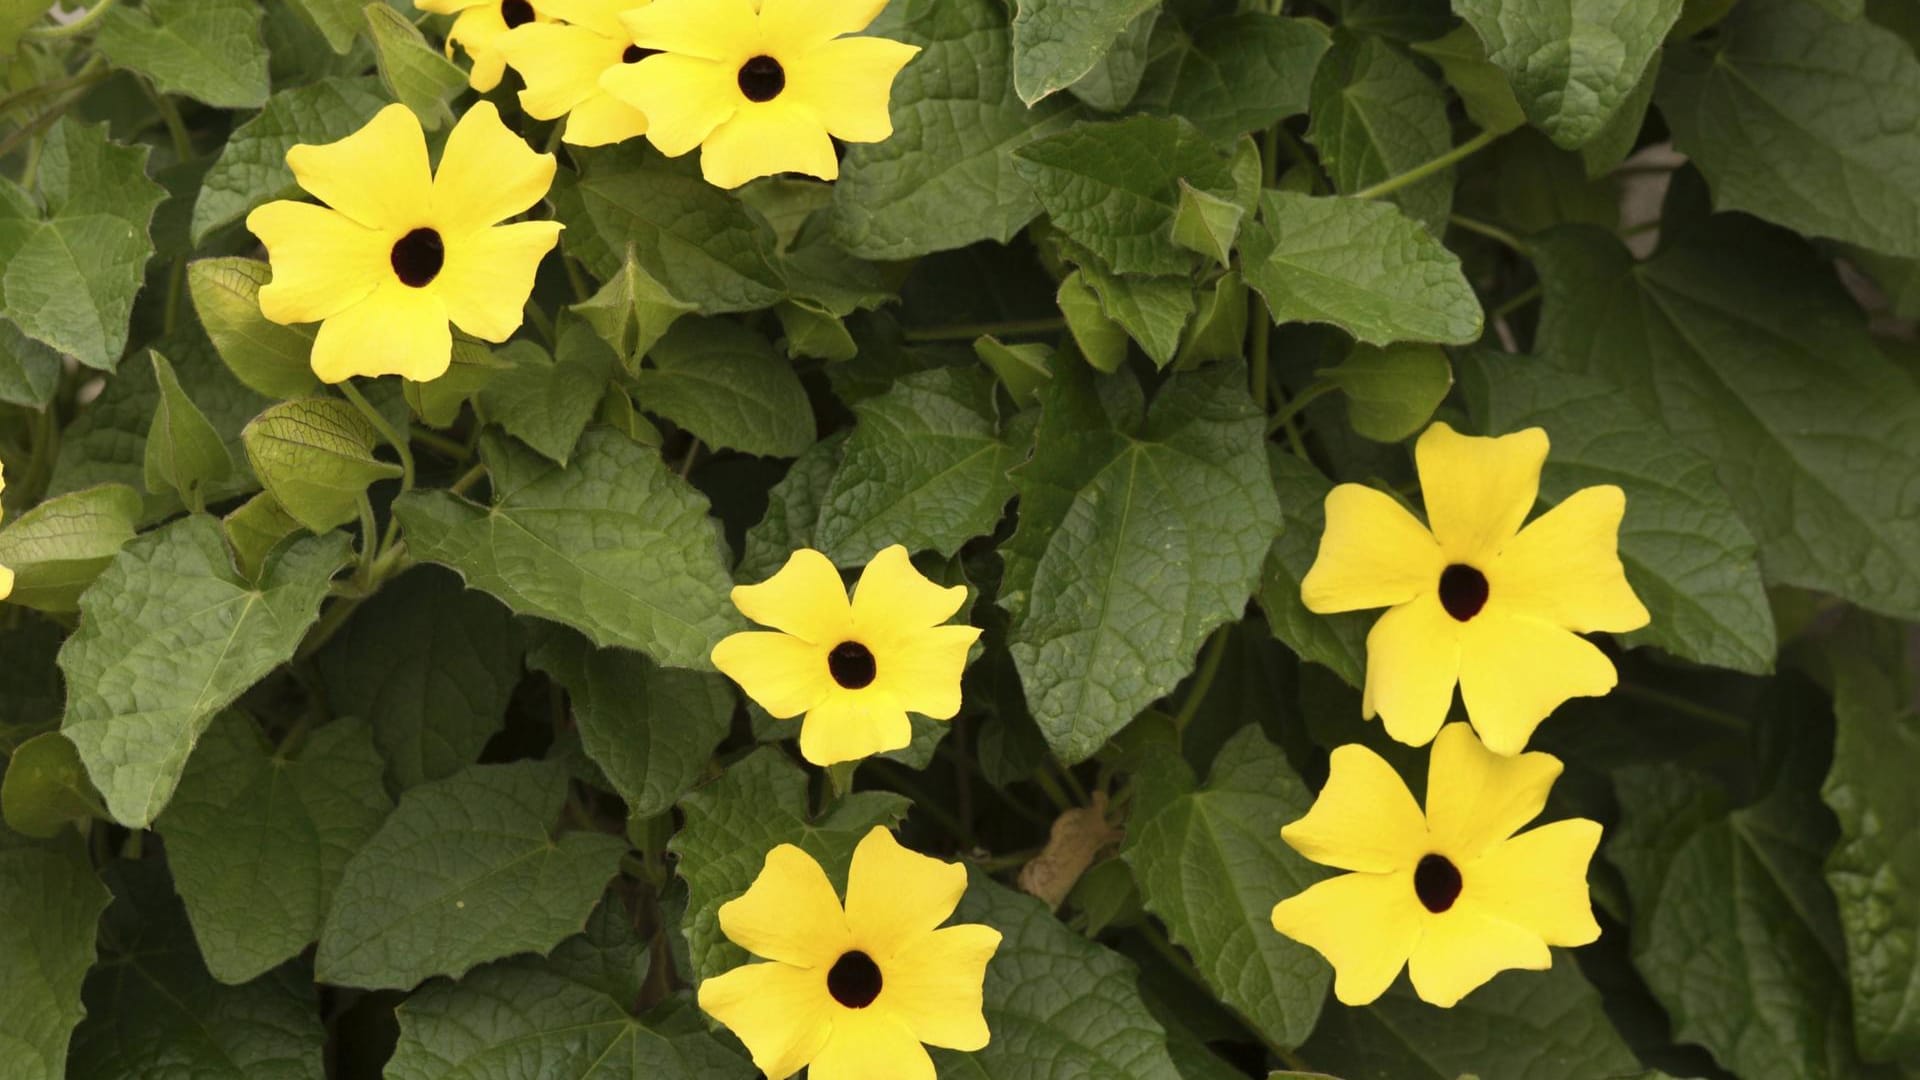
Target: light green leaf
(257, 837)
(271, 359)
(184, 453)
(59, 547)
(316, 456)
(340, 21)
(1772, 112)
(1112, 82)
(1207, 224)
(614, 546)
(1138, 535)
(727, 385)
(1211, 865)
(46, 788)
(1376, 115)
(53, 902)
(1361, 266)
(1392, 392)
(418, 75)
(169, 636)
(546, 401)
(812, 332)
(17, 16)
(252, 167)
(1336, 641)
(1237, 74)
(1023, 369)
(209, 50)
(632, 311)
(1742, 343)
(466, 870)
(1153, 310)
(29, 371)
(1219, 327)
(438, 402)
(1057, 42)
(255, 528)
(1482, 86)
(1614, 142)
(1101, 341)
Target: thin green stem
(1516, 302)
(78, 26)
(1054, 791)
(170, 116)
(442, 445)
(1716, 717)
(369, 537)
(970, 331)
(1072, 782)
(468, 479)
(1492, 232)
(1283, 417)
(1420, 172)
(1202, 682)
(686, 463)
(393, 437)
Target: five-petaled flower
(563, 62)
(1477, 600)
(855, 669)
(852, 993)
(477, 28)
(763, 87)
(1453, 894)
(398, 250)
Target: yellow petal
(6, 583)
(871, 1044)
(763, 139)
(935, 984)
(785, 675)
(478, 31)
(560, 64)
(396, 330)
(852, 724)
(727, 31)
(894, 601)
(1372, 554)
(1565, 566)
(1413, 660)
(790, 913)
(684, 98)
(1514, 671)
(1464, 947)
(784, 1014)
(602, 120)
(378, 176)
(922, 669)
(848, 84)
(802, 24)
(1538, 881)
(805, 599)
(1364, 924)
(1477, 798)
(1364, 819)
(600, 16)
(488, 276)
(487, 174)
(323, 261)
(895, 896)
(1478, 490)
(449, 7)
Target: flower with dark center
(515, 13)
(1463, 591)
(762, 78)
(1454, 894)
(417, 257)
(851, 665)
(478, 26)
(854, 980)
(562, 62)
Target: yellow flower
(1477, 600)
(1453, 895)
(853, 993)
(562, 64)
(762, 90)
(397, 250)
(854, 669)
(477, 28)
(6, 575)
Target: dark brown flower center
(1463, 591)
(515, 13)
(762, 78)
(852, 665)
(854, 980)
(418, 257)
(635, 54)
(1436, 881)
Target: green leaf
(614, 545)
(1742, 343)
(757, 804)
(1778, 113)
(432, 666)
(814, 333)
(1207, 224)
(1482, 86)
(1377, 115)
(1115, 79)
(1138, 535)
(652, 730)
(701, 245)
(252, 167)
(52, 901)
(546, 401)
(1237, 74)
(1621, 135)
(1361, 266)
(632, 311)
(1153, 310)
(438, 402)
(151, 1000)
(1101, 341)
(18, 15)
(184, 453)
(1022, 369)
(1573, 63)
(793, 510)
(1219, 327)
(1392, 392)
(418, 75)
(1211, 865)
(1056, 42)
(255, 528)
(1115, 187)
(727, 385)
(1687, 553)
(71, 272)
(29, 371)
(169, 636)
(946, 178)
(1528, 185)
(466, 870)
(209, 50)
(315, 456)
(271, 359)
(1337, 642)
(340, 21)
(257, 838)
(46, 788)
(59, 547)
(925, 467)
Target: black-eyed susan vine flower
(762, 87)
(562, 64)
(399, 250)
(853, 993)
(854, 669)
(1452, 894)
(477, 28)
(1474, 598)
